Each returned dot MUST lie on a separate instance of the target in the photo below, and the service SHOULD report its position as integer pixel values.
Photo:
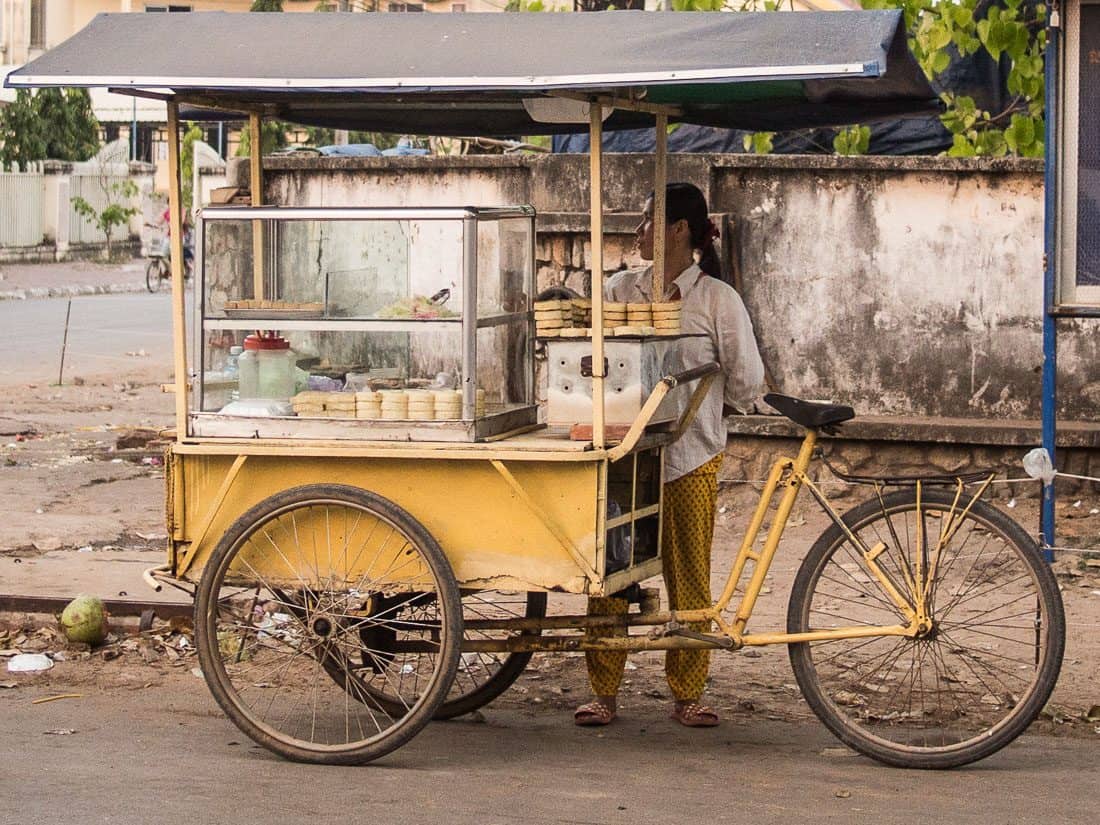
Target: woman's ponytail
(686, 202)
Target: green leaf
(938, 37)
(991, 143)
(940, 62)
(760, 142)
(961, 148)
(983, 30)
(1021, 133)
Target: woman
(713, 308)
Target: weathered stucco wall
(905, 286)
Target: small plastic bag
(1037, 464)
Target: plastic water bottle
(232, 370)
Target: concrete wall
(903, 286)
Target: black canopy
(470, 73)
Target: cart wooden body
(525, 513)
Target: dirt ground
(69, 489)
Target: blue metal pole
(133, 129)
(1050, 258)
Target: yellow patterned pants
(687, 535)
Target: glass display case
(364, 323)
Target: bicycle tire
(979, 718)
(290, 606)
(152, 275)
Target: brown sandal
(593, 714)
(694, 715)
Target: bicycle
(158, 270)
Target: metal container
(634, 366)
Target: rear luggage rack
(934, 480)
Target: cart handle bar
(706, 372)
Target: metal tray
(275, 314)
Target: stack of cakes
(309, 404)
(339, 405)
(551, 317)
(582, 312)
(447, 404)
(368, 405)
(614, 315)
(573, 318)
(395, 405)
(639, 315)
(667, 317)
(420, 405)
(639, 321)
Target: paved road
(164, 754)
(102, 330)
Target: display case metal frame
(471, 427)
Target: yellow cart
(357, 577)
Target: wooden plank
(595, 185)
(660, 181)
(179, 317)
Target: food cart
(373, 523)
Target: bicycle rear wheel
(974, 681)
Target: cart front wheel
(965, 686)
(316, 603)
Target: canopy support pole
(595, 175)
(256, 186)
(660, 182)
(1050, 274)
(175, 224)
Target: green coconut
(84, 619)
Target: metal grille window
(167, 8)
(406, 7)
(38, 24)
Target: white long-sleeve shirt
(713, 308)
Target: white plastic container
(266, 368)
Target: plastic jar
(266, 368)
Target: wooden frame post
(595, 175)
(256, 187)
(660, 181)
(175, 223)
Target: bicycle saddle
(810, 413)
